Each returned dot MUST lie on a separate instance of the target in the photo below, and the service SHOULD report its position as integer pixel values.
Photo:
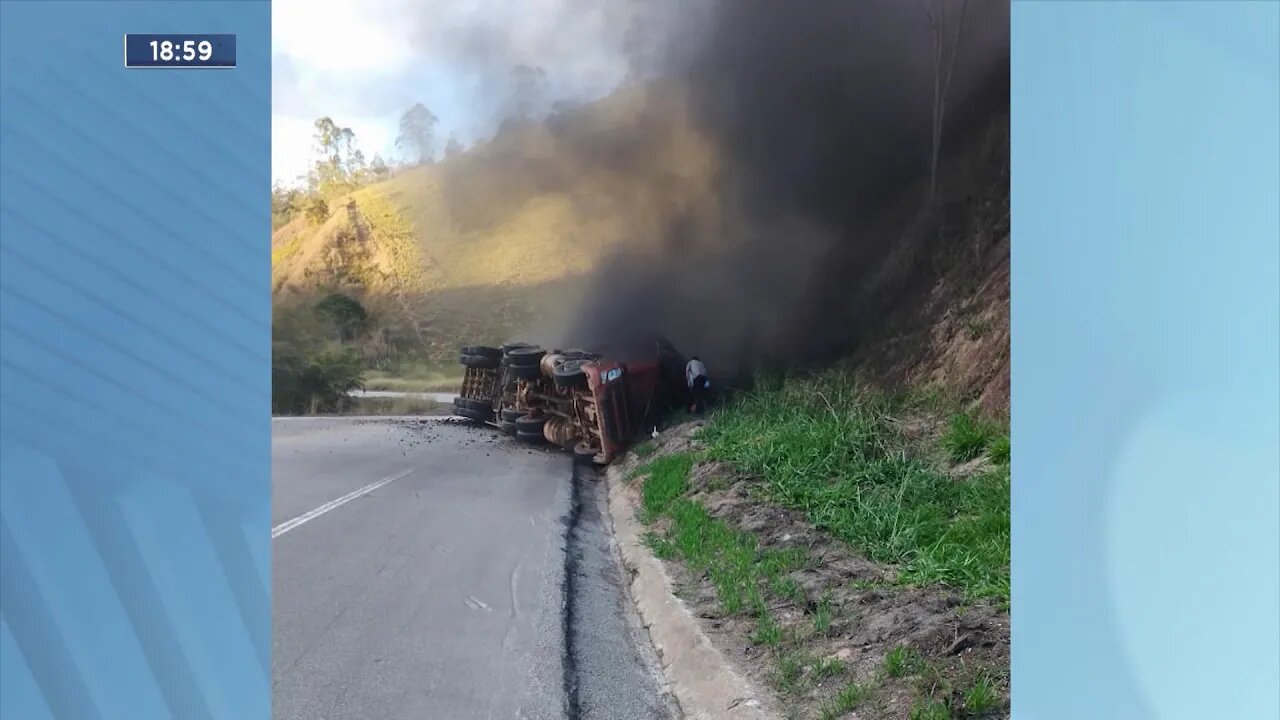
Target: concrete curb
(703, 682)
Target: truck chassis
(581, 401)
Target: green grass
(981, 697)
(822, 617)
(824, 668)
(416, 377)
(392, 406)
(768, 632)
(848, 699)
(798, 670)
(999, 450)
(790, 671)
(901, 661)
(661, 547)
(744, 575)
(644, 449)
(667, 480)
(967, 437)
(786, 587)
(727, 557)
(930, 710)
(825, 446)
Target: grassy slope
(930, 507)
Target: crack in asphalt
(610, 671)
(572, 558)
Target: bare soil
(945, 293)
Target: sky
(363, 62)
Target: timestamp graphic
(179, 51)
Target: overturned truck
(592, 404)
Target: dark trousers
(698, 394)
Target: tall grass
(967, 437)
(828, 447)
(742, 572)
(668, 476)
(416, 377)
(393, 406)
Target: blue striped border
(134, 367)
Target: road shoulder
(704, 682)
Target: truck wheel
(479, 361)
(508, 427)
(570, 374)
(492, 353)
(479, 416)
(526, 372)
(521, 357)
(584, 452)
(534, 438)
(477, 405)
(530, 424)
(507, 348)
(509, 415)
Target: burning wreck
(592, 404)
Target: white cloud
(325, 52)
(362, 62)
(290, 147)
(339, 36)
(292, 143)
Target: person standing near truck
(695, 374)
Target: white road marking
(288, 525)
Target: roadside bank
(846, 553)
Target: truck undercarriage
(591, 404)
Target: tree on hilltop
(417, 134)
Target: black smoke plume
(820, 116)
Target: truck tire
(508, 427)
(527, 424)
(583, 452)
(477, 405)
(570, 374)
(507, 348)
(479, 361)
(520, 357)
(533, 438)
(483, 351)
(525, 372)
(479, 416)
(509, 415)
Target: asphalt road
(426, 569)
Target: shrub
(317, 210)
(307, 383)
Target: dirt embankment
(830, 633)
(942, 298)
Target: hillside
(498, 239)
(522, 235)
